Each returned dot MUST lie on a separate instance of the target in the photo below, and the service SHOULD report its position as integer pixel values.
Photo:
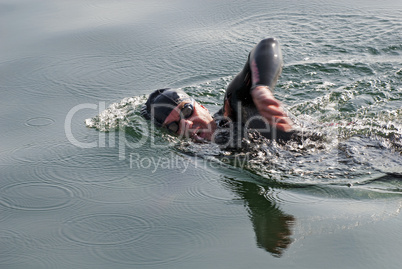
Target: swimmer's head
(161, 103)
(180, 114)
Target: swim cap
(161, 102)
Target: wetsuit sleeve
(266, 63)
(263, 67)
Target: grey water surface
(85, 182)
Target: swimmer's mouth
(197, 136)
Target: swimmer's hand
(270, 108)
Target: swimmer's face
(192, 120)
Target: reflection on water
(272, 227)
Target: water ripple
(105, 229)
(277, 196)
(70, 74)
(174, 244)
(39, 121)
(208, 190)
(17, 249)
(37, 196)
(69, 163)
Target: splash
(348, 148)
(123, 113)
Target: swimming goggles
(185, 113)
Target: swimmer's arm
(270, 108)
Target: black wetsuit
(263, 67)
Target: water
(127, 196)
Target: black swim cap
(161, 102)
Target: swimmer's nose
(186, 124)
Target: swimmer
(249, 102)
